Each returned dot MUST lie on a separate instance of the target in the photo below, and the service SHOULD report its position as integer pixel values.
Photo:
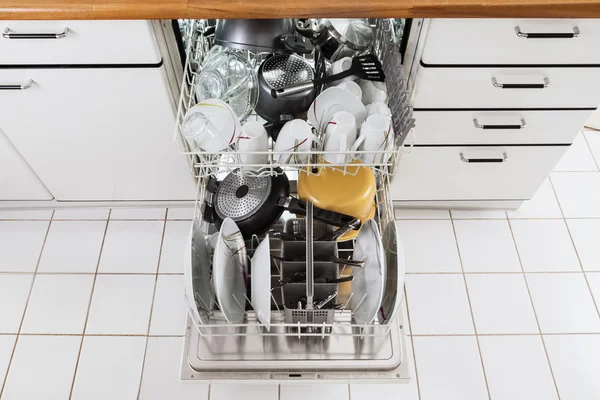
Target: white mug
(376, 139)
(378, 108)
(340, 134)
(341, 65)
(294, 142)
(253, 138)
(352, 87)
(373, 92)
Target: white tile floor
(501, 306)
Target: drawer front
(512, 41)
(493, 173)
(507, 88)
(498, 127)
(78, 42)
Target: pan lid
(240, 196)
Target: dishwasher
(315, 330)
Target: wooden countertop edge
(172, 9)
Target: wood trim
(171, 9)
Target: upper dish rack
(205, 164)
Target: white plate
(229, 272)
(368, 282)
(394, 276)
(331, 101)
(261, 282)
(223, 116)
(198, 287)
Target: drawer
(78, 42)
(512, 41)
(473, 173)
(507, 88)
(498, 127)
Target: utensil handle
(296, 206)
(292, 89)
(310, 283)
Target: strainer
(283, 70)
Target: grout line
(87, 314)
(278, 392)
(537, 321)
(487, 386)
(412, 343)
(162, 241)
(590, 150)
(349, 393)
(12, 354)
(209, 391)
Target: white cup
(341, 65)
(253, 138)
(373, 92)
(294, 142)
(376, 138)
(352, 87)
(340, 134)
(378, 108)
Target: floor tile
(160, 380)
(438, 304)
(593, 279)
(72, 246)
(131, 246)
(182, 213)
(486, 246)
(542, 205)
(578, 193)
(26, 214)
(52, 357)
(169, 311)
(516, 368)
(138, 213)
(420, 213)
(478, 214)
(545, 245)
(177, 233)
(14, 292)
(563, 303)
(81, 213)
(313, 392)
(20, 244)
(593, 139)
(421, 237)
(109, 368)
(449, 368)
(7, 344)
(501, 304)
(58, 304)
(586, 234)
(575, 361)
(577, 158)
(224, 391)
(121, 304)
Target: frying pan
(256, 203)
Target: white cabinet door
(97, 134)
(17, 180)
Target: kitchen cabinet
(97, 134)
(17, 179)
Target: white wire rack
(206, 164)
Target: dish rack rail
(203, 163)
(211, 323)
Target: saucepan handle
(296, 206)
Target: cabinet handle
(521, 85)
(484, 160)
(24, 86)
(526, 35)
(8, 35)
(520, 126)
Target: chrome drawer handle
(24, 86)
(8, 35)
(521, 85)
(526, 35)
(483, 160)
(520, 126)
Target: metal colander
(284, 70)
(239, 196)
